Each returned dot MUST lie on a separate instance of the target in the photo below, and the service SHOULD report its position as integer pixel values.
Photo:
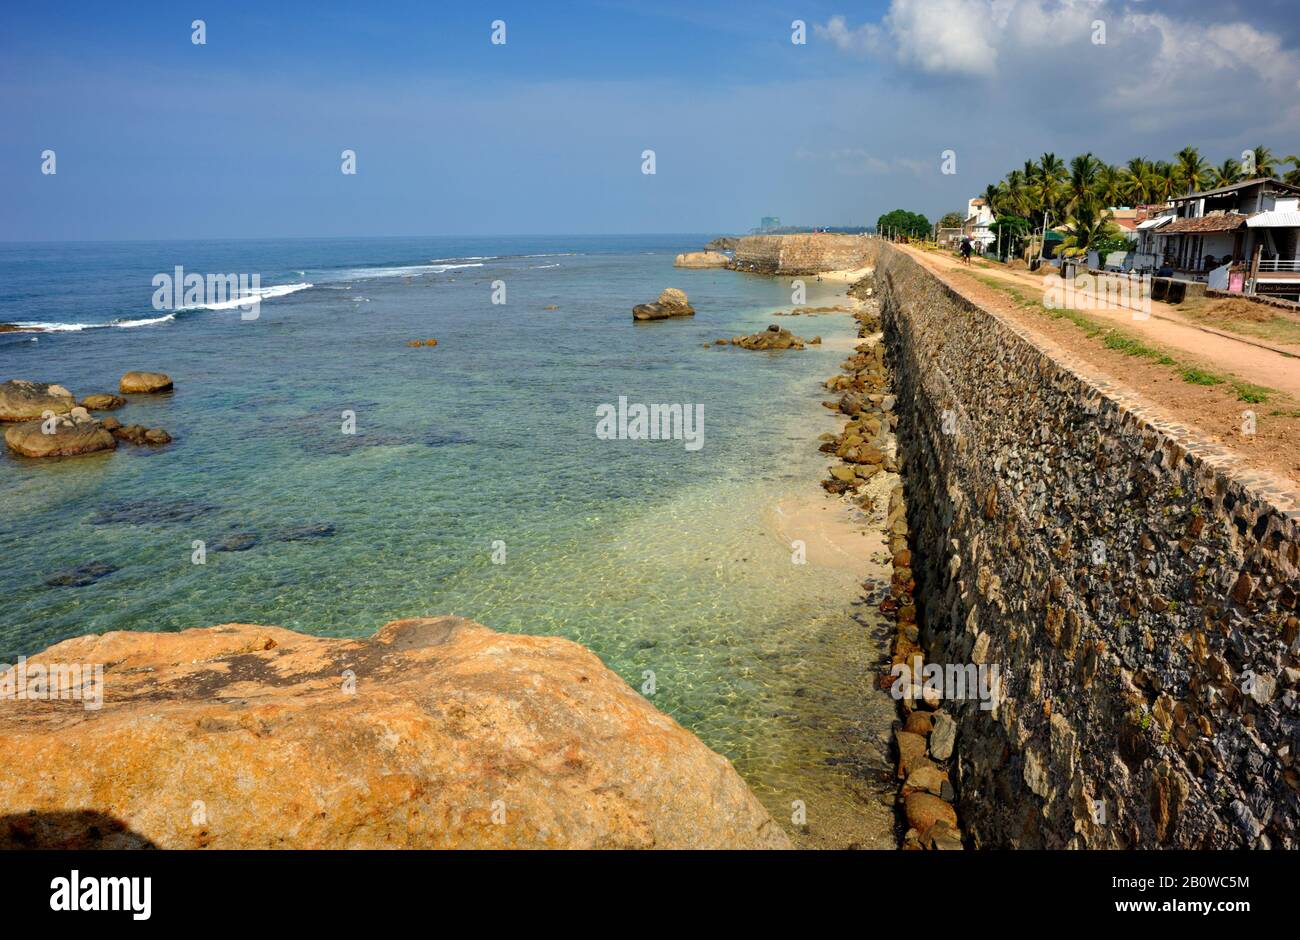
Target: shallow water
(657, 558)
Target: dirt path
(1247, 358)
(1217, 411)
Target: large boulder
(672, 303)
(701, 259)
(21, 400)
(433, 733)
(144, 382)
(70, 435)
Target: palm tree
(1265, 164)
(1225, 174)
(1164, 180)
(1191, 169)
(1084, 170)
(1292, 175)
(1088, 225)
(1112, 184)
(1139, 182)
(1050, 175)
(993, 197)
(1017, 196)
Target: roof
(1235, 186)
(1274, 219)
(1227, 222)
(1155, 222)
(1128, 225)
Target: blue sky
(159, 138)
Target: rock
(72, 437)
(701, 259)
(924, 810)
(943, 736)
(236, 542)
(141, 512)
(21, 400)
(927, 777)
(671, 303)
(144, 383)
(110, 424)
(551, 307)
(157, 436)
(454, 736)
(302, 532)
(103, 402)
(774, 337)
(131, 433)
(911, 749)
(81, 575)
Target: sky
(157, 137)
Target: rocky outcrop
(433, 733)
(144, 383)
(701, 259)
(72, 435)
(773, 338)
(21, 400)
(723, 243)
(672, 303)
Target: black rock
(81, 575)
(238, 542)
(302, 532)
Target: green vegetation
(902, 222)
(1116, 339)
(1076, 196)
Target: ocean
(474, 484)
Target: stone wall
(803, 254)
(1134, 585)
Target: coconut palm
(1084, 170)
(1265, 163)
(1191, 169)
(1017, 197)
(1225, 174)
(1112, 184)
(1139, 180)
(1088, 224)
(1292, 175)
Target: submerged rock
(74, 435)
(671, 303)
(21, 400)
(145, 383)
(138, 512)
(81, 575)
(102, 402)
(433, 733)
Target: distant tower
(770, 223)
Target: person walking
(965, 251)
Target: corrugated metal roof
(1275, 219)
(1156, 222)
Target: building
(978, 226)
(770, 223)
(1244, 237)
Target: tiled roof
(1228, 222)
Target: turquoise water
(657, 558)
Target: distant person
(965, 251)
